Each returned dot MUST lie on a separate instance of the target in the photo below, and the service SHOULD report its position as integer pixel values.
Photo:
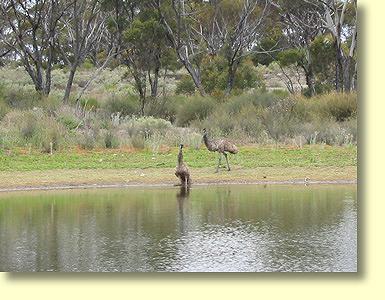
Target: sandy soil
(109, 178)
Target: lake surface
(233, 228)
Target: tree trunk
(39, 79)
(348, 73)
(195, 75)
(164, 82)
(310, 81)
(353, 83)
(339, 68)
(48, 77)
(140, 85)
(154, 82)
(142, 104)
(69, 83)
(232, 70)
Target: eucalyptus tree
(31, 28)
(7, 41)
(238, 26)
(340, 19)
(300, 26)
(142, 43)
(217, 27)
(81, 28)
(177, 16)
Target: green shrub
(278, 119)
(86, 139)
(28, 125)
(329, 132)
(127, 106)
(49, 132)
(185, 86)
(248, 77)
(340, 107)
(89, 103)
(145, 126)
(138, 142)
(195, 108)
(4, 109)
(335, 106)
(21, 98)
(51, 103)
(67, 116)
(110, 140)
(33, 127)
(164, 107)
(215, 76)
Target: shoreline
(149, 185)
(61, 179)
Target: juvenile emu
(222, 146)
(181, 170)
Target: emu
(181, 170)
(222, 146)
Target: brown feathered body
(222, 146)
(181, 170)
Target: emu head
(180, 146)
(204, 131)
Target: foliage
(185, 86)
(165, 107)
(290, 57)
(322, 51)
(20, 98)
(126, 106)
(22, 128)
(215, 75)
(194, 108)
(89, 103)
(257, 116)
(110, 140)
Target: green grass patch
(249, 157)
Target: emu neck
(209, 143)
(180, 157)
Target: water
(239, 228)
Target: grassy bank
(103, 139)
(110, 117)
(252, 164)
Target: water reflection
(182, 197)
(228, 228)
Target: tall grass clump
(111, 140)
(262, 116)
(145, 131)
(244, 117)
(338, 106)
(194, 108)
(89, 103)
(164, 107)
(34, 128)
(185, 86)
(334, 106)
(125, 105)
(4, 109)
(18, 97)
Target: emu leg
(186, 181)
(227, 161)
(219, 162)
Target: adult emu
(222, 146)
(181, 170)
